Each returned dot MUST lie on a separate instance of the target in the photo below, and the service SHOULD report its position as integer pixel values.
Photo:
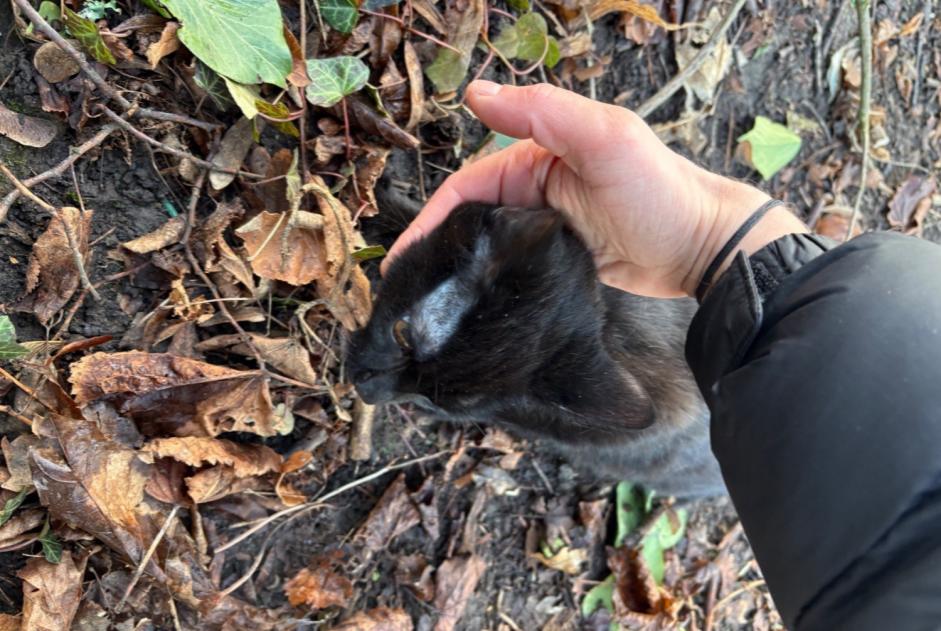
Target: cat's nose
(374, 387)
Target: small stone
(54, 64)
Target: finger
(570, 126)
(514, 176)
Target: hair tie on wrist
(730, 245)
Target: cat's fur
(508, 324)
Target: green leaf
(340, 14)
(375, 5)
(334, 78)
(214, 85)
(532, 31)
(156, 7)
(629, 511)
(601, 595)
(278, 110)
(96, 9)
(770, 146)
(245, 96)
(9, 349)
(519, 5)
(369, 252)
(11, 505)
(240, 39)
(665, 533)
(49, 10)
(448, 70)
(507, 41)
(51, 548)
(86, 32)
(553, 55)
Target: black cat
(498, 316)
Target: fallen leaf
(166, 394)
(51, 593)
(318, 586)
(416, 85)
(16, 456)
(16, 532)
(215, 251)
(51, 277)
(911, 203)
(601, 8)
(373, 122)
(198, 451)
(215, 483)
(26, 130)
(166, 481)
(448, 70)
(368, 171)
(706, 78)
(834, 226)
(378, 619)
(567, 559)
(769, 146)
(86, 32)
(289, 495)
(232, 151)
(166, 235)
(54, 64)
(298, 76)
(167, 44)
(285, 354)
(9, 349)
(456, 581)
(280, 251)
(392, 515)
(911, 27)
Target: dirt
(122, 184)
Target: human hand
(652, 219)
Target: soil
(123, 185)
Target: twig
(361, 431)
(302, 122)
(927, 17)
(5, 409)
(147, 555)
(172, 150)
(97, 79)
(865, 97)
(670, 87)
(325, 498)
(413, 31)
(57, 214)
(74, 154)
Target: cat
(498, 316)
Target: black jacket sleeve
(821, 366)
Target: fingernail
(485, 88)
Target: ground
(457, 533)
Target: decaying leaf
(232, 151)
(217, 254)
(704, 80)
(167, 394)
(166, 45)
(51, 592)
(52, 278)
(199, 451)
(600, 8)
(215, 483)
(456, 581)
(26, 130)
(378, 619)
(54, 64)
(281, 251)
(16, 456)
(834, 225)
(416, 85)
(285, 354)
(449, 68)
(166, 235)
(390, 517)
(319, 586)
(567, 559)
(911, 204)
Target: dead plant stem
(146, 559)
(865, 97)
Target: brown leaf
(638, 600)
(298, 75)
(286, 491)
(17, 531)
(385, 40)
(600, 8)
(911, 203)
(51, 277)
(834, 225)
(51, 592)
(373, 122)
(378, 619)
(369, 169)
(167, 44)
(10, 623)
(279, 251)
(245, 460)
(215, 483)
(569, 560)
(166, 481)
(166, 394)
(416, 85)
(166, 235)
(233, 149)
(911, 27)
(54, 64)
(216, 253)
(318, 586)
(16, 456)
(456, 581)
(392, 515)
(296, 461)
(428, 10)
(285, 354)
(26, 130)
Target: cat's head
(495, 310)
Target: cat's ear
(524, 229)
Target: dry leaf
(51, 277)
(216, 253)
(280, 251)
(54, 64)
(318, 586)
(22, 529)
(911, 203)
(285, 354)
(215, 483)
(287, 493)
(601, 8)
(298, 75)
(166, 481)
(51, 592)
(369, 168)
(378, 619)
(166, 235)
(166, 394)
(428, 10)
(704, 80)
(26, 130)
(167, 44)
(392, 515)
(569, 560)
(416, 85)
(232, 151)
(911, 27)
(10, 623)
(245, 460)
(834, 226)
(16, 456)
(456, 581)
(372, 122)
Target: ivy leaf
(601, 595)
(11, 505)
(214, 85)
(665, 533)
(631, 506)
(448, 70)
(156, 7)
(97, 9)
(278, 110)
(534, 40)
(375, 5)
(244, 96)
(334, 78)
(768, 146)
(240, 39)
(86, 32)
(340, 14)
(507, 41)
(9, 349)
(51, 547)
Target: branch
(865, 97)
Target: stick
(865, 97)
(147, 555)
(96, 78)
(670, 87)
(361, 432)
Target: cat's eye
(401, 331)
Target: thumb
(568, 125)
